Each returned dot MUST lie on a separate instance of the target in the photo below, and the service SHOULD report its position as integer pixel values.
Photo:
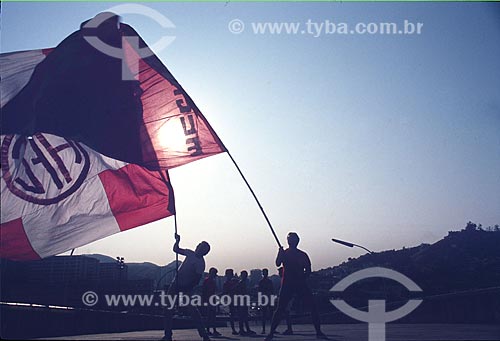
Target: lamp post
(121, 265)
(348, 244)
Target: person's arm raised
(176, 248)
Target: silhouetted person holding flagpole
(188, 277)
(296, 269)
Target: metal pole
(256, 199)
(176, 260)
(198, 112)
(349, 244)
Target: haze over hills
(463, 260)
(459, 276)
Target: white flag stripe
(16, 72)
(58, 194)
(98, 163)
(80, 219)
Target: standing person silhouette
(209, 289)
(242, 308)
(188, 277)
(265, 289)
(296, 269)
(229, 288)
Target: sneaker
(235, 332)
(288, 332)
(206, 338)
(216, 333)
(251, 332)
(321, 336)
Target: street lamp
(348, 244)
(120, 262)
(121, 265)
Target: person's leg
(232, 318)
(265, 313)
(210, 323)
(247, 324)
(241, 320)
(278, 313)
(263, 319)
(244, 313)
(195, 315)
(288, 330)
(212, 319)
(289, 321)
(308, 300)
(205, 314)
(168, 315)
(167, 323)
(284, 298)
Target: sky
(382, 140)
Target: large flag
(81, 92)
(85, 148)
(58, 194)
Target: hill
(463, 260)
(145, 270)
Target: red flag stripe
(99, 197)
(136, 196)
(14, 243)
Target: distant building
(72, 269)
(113, 272)
(62, 269)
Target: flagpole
(199, 114)
(176, 259)
(255, 197)
(176, 253)
(167, 180)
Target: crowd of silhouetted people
(294, 269)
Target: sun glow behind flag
(85, 152)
